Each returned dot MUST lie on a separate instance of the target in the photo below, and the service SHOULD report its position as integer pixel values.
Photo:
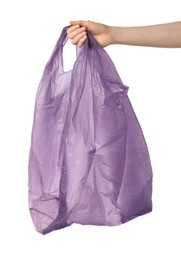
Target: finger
(81, 41)
(78, 38)
(72, 28)
(76, 32)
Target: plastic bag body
(88, 162)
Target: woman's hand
(101, 32)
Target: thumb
(80, 22)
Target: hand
(101, 32)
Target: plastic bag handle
(89, 43)
(58, 50)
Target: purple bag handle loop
(60, 45)
(57, 55)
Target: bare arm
(166, 35)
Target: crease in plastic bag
(88, 161)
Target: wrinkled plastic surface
(88, 161)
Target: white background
(28, 33)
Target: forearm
(163, 35)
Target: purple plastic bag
(88, 162)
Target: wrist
(115, 35)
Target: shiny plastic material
(88, 162)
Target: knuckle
(79, 44)
(81, 40)
(74, 42)
(81, 29)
